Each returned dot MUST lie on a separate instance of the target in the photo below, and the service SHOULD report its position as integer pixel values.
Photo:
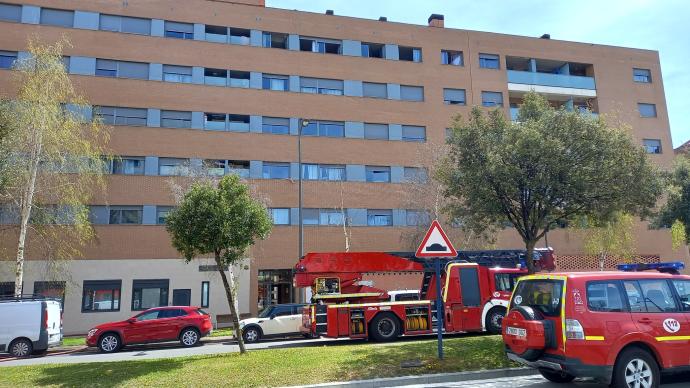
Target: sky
(662, 25)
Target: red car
(173, 323)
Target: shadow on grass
(101, 374)
(467, 353)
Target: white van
(29, 325)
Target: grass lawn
(273, 367)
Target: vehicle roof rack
(672, 267)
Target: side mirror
(131, 320)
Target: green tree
(613, 237)
(222, 220)
(52, 157)
(549, 167)
(675, 213)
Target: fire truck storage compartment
(321, 318)
(351, 322)
(417, 318)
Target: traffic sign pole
(439, 309)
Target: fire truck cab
(476, 287)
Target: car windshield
(265, 313)
(541, 294)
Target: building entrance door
(275, 287)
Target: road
(536, 381)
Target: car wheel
(384, 327)
(189, 337)
(21, 348)
(494, 319)
(556, 377)
(251, 334)
(109, 343)
(634, 368)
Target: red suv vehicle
(618, 327)
(172, 323)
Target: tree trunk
(231, 302)
(602, 260)
(529, 256)
(25, 210)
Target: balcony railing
(514, 114)
(547, 79)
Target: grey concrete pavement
(678, 381)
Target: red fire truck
(476, 287)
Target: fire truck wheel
(384, 327)
(494, 318)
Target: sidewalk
(431, 379)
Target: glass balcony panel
(546, 79)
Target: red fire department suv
(621, 327)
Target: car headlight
(92, 332)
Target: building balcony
(514, 113)
(547, 79)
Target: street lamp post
(302, 123)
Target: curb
(430, 379)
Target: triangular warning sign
(436, 243)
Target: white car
(29, 325)
(280, 320)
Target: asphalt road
(679, 381)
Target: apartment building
(236, 87)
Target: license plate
(516, 331)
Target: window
(604, 296)
(492, 99)
(275, 125)
(162, 214)
(642, 76)
(416, 217)
(125, 24)
(214, 167)
(454, 96)
(378, 174)
(172, 73)
(310, 216)
(57, 17)
(505, 281)
(324, 128)
(218, 34)
(376, 131)
(101, 295)
(215, 121)
(414, 175)
(324, 172)
(176, 119)
(149, 293)
(218, 77)
(122, 69)
(275, 40)
(275, 82)
(412, 54)
(379, 217)
(683, 290)
(10, 13)
(321, 86)
(276, 170)
(647, 110)
(652, 146)
(7, 59)
(51, 289)
(239, 36)
(179, 30)
(239, 79)
(331, 217)
(128, 165)
(172, 166)
(239, 167)
(412, 93)
(280, 216)
(453, 58)
(205, 293)
(650, 295)
(542, 295)
(375, 90)
(238, 123)
(489, 61)
(122, 116)
(373, 50)
(125, 215)
(413, 133)
(319, 45)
